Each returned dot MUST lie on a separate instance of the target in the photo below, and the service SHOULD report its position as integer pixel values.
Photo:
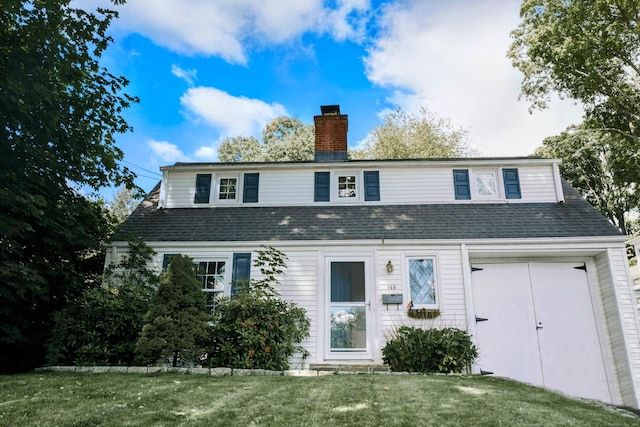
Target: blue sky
(209, 69)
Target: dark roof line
(467, 221)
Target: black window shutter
(322, 187)
(166, 260)
(203, 188)
(241, 269)
(371, 186)
(461, 184)
(250, 188)
(511, 183)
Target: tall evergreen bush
(176, 326)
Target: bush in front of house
(176, 326)
(101, 327)
(255, 328)
(432, 350)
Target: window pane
(347, 282)
(346, 186)
(486, 184)
(348, 327)
(212, 275)
(227, 189)
(212, 300)
(422, 281)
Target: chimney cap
(330, 110)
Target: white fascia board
(366, 164)
(484, 245)
(634, 240)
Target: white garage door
(540, 327)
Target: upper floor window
(344, 186)
(347, 186)
(486, 183)
(228, 188)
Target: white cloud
(187, 75)
(207, 153)
(226, 28)
(453, 56)
(167, 151)
(229, 115)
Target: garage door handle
(539, 326)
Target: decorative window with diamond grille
(422, 282)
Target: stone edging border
(217, 372)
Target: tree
(417, 135)
(588, 50)
(59, 112)
(283, 139)
(103, 325)
(288, 139)
(124, 202)
(176, 324)
(256, 329)
(603, 166)
(240, 149)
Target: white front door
(348, 309)
(540, 327)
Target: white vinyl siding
(537, 184)
(398, 185)
(181, 189)
(451, 300)
(279, 188)
(619, 307)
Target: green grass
(164, 399)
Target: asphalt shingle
(574, 218)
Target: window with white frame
(347, 186)
(228, 188)
(486, 183)
(422, 282)
(213, 278)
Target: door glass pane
(348, 311)
(347, 282)
(348, 328)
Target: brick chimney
(331, 134)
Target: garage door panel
(507, 342)
(564, 308)
(541, 327)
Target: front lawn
(110, 399)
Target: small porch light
(389, 267)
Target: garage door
(536, 323)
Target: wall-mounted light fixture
(389, 267)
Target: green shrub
(101, 327)
(256, 329)
(445, 350)
(176, 325)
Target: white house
(501, 247)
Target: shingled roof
(573, 218)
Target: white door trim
(324, 330)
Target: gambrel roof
(573, 218)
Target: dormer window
(228, 188)
(486, 184)
(347, 186)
